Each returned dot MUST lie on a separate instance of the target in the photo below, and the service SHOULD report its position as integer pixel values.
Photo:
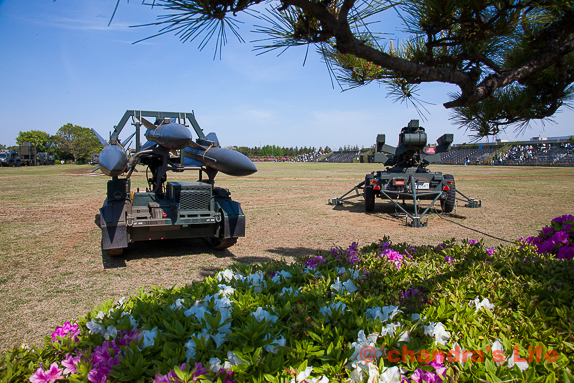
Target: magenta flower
(49, 376)
(65, 330)
(546, 247)
(490, 251)
(393, 256)
(560, 237)
(472, 241)
(565, 252)
(449, 259)
(548, 230)
(70, 364)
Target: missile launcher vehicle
(169, 210)
(406, 176)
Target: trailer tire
(447, 204)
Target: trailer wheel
(369, 195)
(447, 204)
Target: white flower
(391, 328)
(190, 345)
(337, 306)
(341, 270)
(303, 375)
(121, 301)
(281, 274)
(225, 290)
(225, 329)
(215, 365)
(279, 342)
(288, 290)
(497, 346)
(197, 310)
(95, 328)
(485, 303)
(437, 331)
(383, 313)
(345, 287)
(460, 354)
(390, 375)
(111, 332)
(177, 305)
(148, 337)
(416, 317)
(133, 322)
(263, 314)
(100, 315)
(515, 360)
(362, 342)
(219, 339)
(234, 360)
(226, 275)
(349, 286)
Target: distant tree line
(279, 151)
(71, 143)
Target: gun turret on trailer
(406, 176)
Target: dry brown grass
(52, 269)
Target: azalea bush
(455, 311)
(558, 238)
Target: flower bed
(380, 313)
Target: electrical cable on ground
(470, 228)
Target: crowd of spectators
(308, 157)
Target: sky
(61, 63)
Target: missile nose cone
(232, 162)
(113, 160)
(243, 166)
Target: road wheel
(111, 252)
(447, 204)
(114, 252)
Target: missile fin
(100, 138)
(96, 168)
(148, 145)
(195, 145)
(212, 137)
(127, 140)
(146, 123)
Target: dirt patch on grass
(52, 268)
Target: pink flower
(49, 376)
(71, 364)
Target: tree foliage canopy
(77, 141)
(511, 60)
(42, 140)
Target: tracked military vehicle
(406, 176)
(169, 210)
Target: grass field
(52, 268)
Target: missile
(113, 159)
(226, 161)
(174, 136)
(171, 136)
